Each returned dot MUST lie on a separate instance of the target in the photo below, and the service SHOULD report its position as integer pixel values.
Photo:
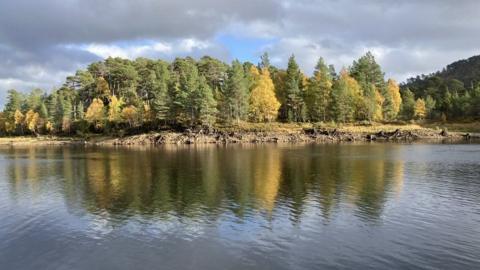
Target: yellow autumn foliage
(95, 112)
(18, 117)
(31, 120)
(263, 102)
(420, 110)
(114, 109)
(130, 115)
(394, 90)
(379, 99)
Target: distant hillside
(458, 76)
(453, 92)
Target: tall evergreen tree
(14, 102)
(186, 76)
(204, 103)
(294, 103)
(236, 94)
(367, 71)
(407, 109)
(343, 98)
(319, 92)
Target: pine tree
(102, 89)
(34, 100)
(366, 71)
(408, 104)
(294, 102)
(14, 103)
(429, 105)
(182, 91)
(370, 102)
(80, 111)
(319, 92)
(160, 98)
(264, 61)
(43, 111)
(343, 98)
(52, 106)
(206, 106)
(236, 94)
(447, 103)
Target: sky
(43, 41)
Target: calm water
(380, 206)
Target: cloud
(50, 22)
(42, 41)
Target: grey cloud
(27, 23)
(40, 41)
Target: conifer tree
(236, 95)
(343, 98)
(206, 106)
(319, 92)
(294, 102)
(408, 104)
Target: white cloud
(131, 52)
(147, 49)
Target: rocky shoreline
(304, 136)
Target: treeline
(452, 93)
(117, 95)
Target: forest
(118, 96)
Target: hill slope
(452, 93)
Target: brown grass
(472, 127)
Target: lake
(334, 206)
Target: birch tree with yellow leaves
(263, 103)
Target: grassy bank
(471, 127)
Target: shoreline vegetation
(186, 101)
(271, 133)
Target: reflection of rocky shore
(192, 181)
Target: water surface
(379, 206)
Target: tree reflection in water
(208, 181)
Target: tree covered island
(119, 96)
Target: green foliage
(319, 90)
(294, 107)
(343, 96)
(235, 103)
(408, 104)
(144, 94)
(14, 102)
(451, 89)
(366, 71)
(204, 104)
